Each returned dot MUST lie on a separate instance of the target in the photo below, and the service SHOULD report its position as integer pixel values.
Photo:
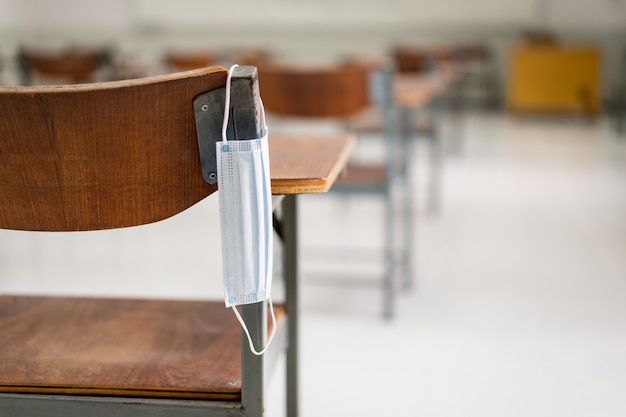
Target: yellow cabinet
(554, 78)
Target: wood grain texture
(304, 164)
(137, 348)
(100, 156)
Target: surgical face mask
(245, 203)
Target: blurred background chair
(337, 93)
(184, 60)
(424, 76)
(64, 66)
(84, 159)
(479, 76)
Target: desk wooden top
(418, 91)
(307, 163)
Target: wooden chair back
(101, 156)
(314, 92)
(75, 65)
(421, 59)
(411, 59)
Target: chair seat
(121, 347)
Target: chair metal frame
(376, 90)
(255, 370)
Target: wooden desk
(408, 96)
(413, 96)
(418, 91)
(305, 164)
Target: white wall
(100, 14)
(45, 15)
(31, 16)
(309, 29)
(347, 14)
(586, 14)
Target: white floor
(519, 307)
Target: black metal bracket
(244, 121)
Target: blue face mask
(245, 203)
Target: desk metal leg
(290, 238)
(409, 196)
(436, 161)
(389, 257)
(409, 218)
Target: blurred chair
(413, 59)
(252, 56)
(479, 84)
(421, 120)
(65, 66)
(184, 60)
(113, 155)
(338, 93)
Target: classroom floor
(519, 305)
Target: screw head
(212, 175)
(205, 107)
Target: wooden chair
(184, 60)
(421, 118)
(337, 94)
(416, 59)
(68, 66)
(111, 155)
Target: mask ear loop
(271, 305)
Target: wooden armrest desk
(306, 164)
(418, 91)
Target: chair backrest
(315, 92)
(411, 59)
(421, 59)
(101, 155)
(74, 64)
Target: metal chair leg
(388, 278)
